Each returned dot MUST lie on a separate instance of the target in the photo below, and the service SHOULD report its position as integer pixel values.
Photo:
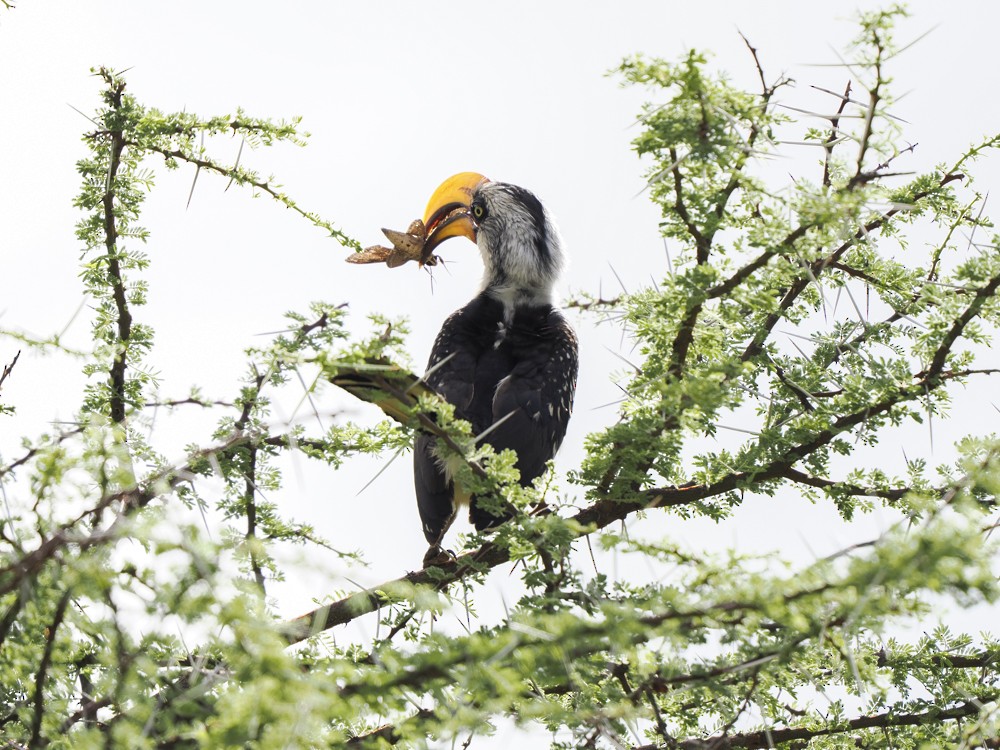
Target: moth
(408, 245)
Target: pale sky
(397, 96)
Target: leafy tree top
(801, 308)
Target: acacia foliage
(708, 651)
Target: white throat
(514, 273)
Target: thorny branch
(703, 243)
(789, 297)
(874, 98)
(43, 669)
(139, 496)
(158, 485)
(597, 516)
(118, 144)
(834, 137)
(608, 510)
(601, 513)
(848, 488)
(661, 683)
(35, 450)
(8, 368)
(816, 268)
(588, 641)
(192, 400)
(703, 240)
(769, 738)
(250, 488)
(242, 176)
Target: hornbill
(508, 360)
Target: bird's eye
(478, 210)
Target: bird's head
(520, 244)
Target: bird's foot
(437, 555)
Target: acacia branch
(250, 477)
(770, 738)
(931, 378)
(701, 245)
(192, 400)
(767, 92)
(599, 302)
(831, 141)
(703, 240)
(43, 669)
(816, 268)
(597, 516)
(486, 557)
(725, 287)
(608, 510)
(8, 368)
(12, 575)
(686, 329)
(35, 450)
(658, 682)
(685, 333)
(867, 278)
(489, 555)
(848, 488)
(983, 295)
(244, 177)
(118, 142)
(586, 644)
(979, 660)
(130, 500)
(874, 97)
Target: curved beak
(447, 213)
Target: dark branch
(983, 295)
(185, 401)
(43, 670)
(834, 135)
(700, 241)
(773, 737)
(114, 267)
(7, 368)
(488, 556)
(817, 266)
(725, 287)
(244, 177)
(847, 488)
(250, 485)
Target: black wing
(451, 371)
(531, 405)
(515, 384)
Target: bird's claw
(437, 555)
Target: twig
(43, 670)
(833, 139)
(770, 738)
(250, 476)
(242, 176)
(7, 368)
(118, 143)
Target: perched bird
(508, 360)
